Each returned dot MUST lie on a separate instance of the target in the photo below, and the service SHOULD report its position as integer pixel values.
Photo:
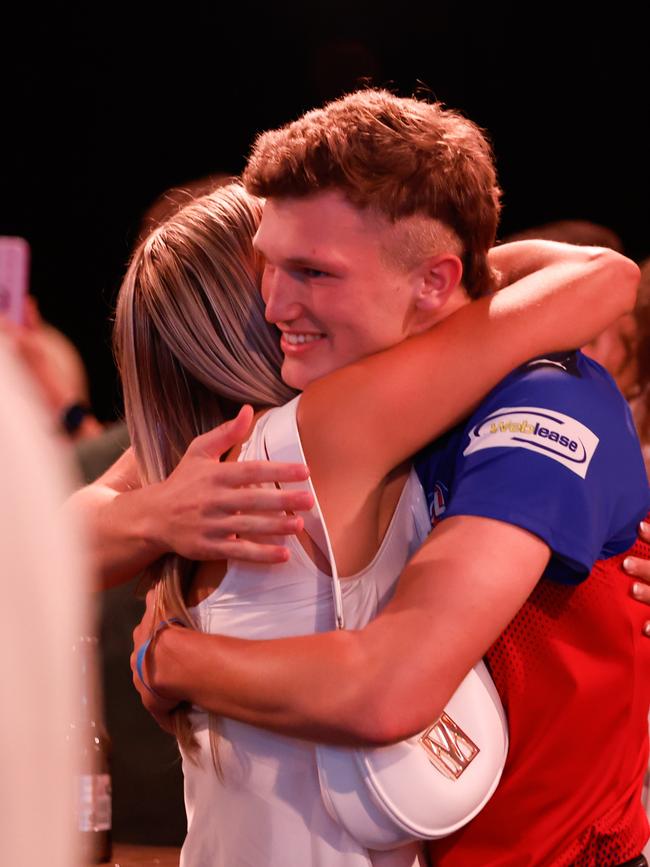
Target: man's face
(327, 285)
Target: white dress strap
(282, 443)
(426, 786)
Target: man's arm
(371, 686)
(196, 511)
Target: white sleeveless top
(267, 809)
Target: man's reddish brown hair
(395, 155)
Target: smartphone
(14, 277)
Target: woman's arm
(117, 514)
(370, 416)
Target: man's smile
(293, 342)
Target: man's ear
(436, 279)
(616, 346)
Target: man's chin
(298, 375)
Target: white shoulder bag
(431, 784)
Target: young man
(544, 479)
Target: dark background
(102, 114)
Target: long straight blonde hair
(192, 346)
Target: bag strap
(282, 443)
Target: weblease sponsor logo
(549, 433)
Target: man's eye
(314, 273)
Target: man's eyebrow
(300, 260)
(309, 262)
(316, 263)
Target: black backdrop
(101, 115)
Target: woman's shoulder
(275, 436)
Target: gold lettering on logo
(512, 427)
(449, 749)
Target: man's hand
(208, 509)
(158, 706)
(640, 569)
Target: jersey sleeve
(556, 453)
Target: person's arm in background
(44, 567)
(199, 511)
(57, 369)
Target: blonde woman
(193, 346)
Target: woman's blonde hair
(192, 346)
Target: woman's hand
(209, 509)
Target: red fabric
(573, 672)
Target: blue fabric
(553, 450)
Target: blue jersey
(552, 449)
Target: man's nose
(281, 295)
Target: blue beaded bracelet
(140, 655)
